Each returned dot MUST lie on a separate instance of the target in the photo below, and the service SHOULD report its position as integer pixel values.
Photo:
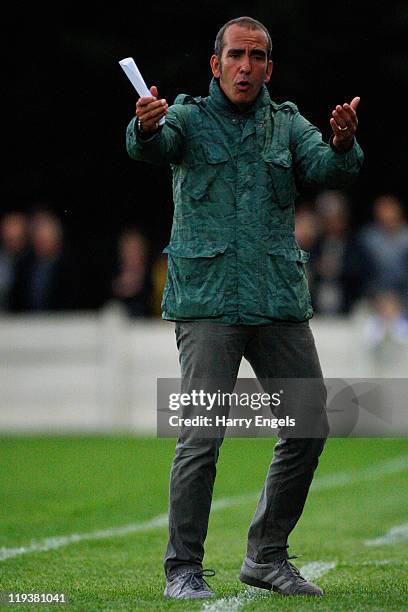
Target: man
(384, 246)
(13, 244)
(47, 276)
(236, 284)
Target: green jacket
(232, 256)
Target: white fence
(98, 372)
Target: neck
(238, 108)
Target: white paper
(133, 74)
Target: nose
(245, 67)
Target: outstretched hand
(344, 124)
(150, 110)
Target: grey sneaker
(280, 576)
(189, 584)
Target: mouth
(243, 86)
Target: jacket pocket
(280, 167)
(287, 292)
(196, 278)
(199, 177)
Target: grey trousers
(210, 352)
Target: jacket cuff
(142, 137)
(336, 150)
(350, 158)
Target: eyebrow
(253, 52)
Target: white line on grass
(317, 569)
(392, 466)
(376, 563)
(310, 571)
(58, 541)
(395, 535)
(235, 603)
(378, 470)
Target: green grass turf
(52, 486)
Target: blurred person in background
(307, 228)
(159, 275)
(47, 276)
(131, 284)
(384, 244)
(335, 260)
(385, 335)
(13, 242)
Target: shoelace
(195, 579)
(292, 569)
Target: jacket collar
(220, 101)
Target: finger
(154, 104)
(335, 127)
(141, 110)
(340, 116)
(350, 112)
(345, 116)
(341, 135)
(153, 117)
(355, 102)
(145, 101)
(340, 130)
(152, 112)
(154, 91)
(350, 116)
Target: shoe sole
(195, 596)
(189, 598)
(269, 587)
(256, 583)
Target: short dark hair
(245, 22)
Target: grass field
(60, 486)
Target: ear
(268, 71)
(215, 66)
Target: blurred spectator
(159, 275)
(13, 241)
(335, 260)
(386, 334)
(385, 249)
(47, 275)
(131, 283)
(306, 234)
(307, 226)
